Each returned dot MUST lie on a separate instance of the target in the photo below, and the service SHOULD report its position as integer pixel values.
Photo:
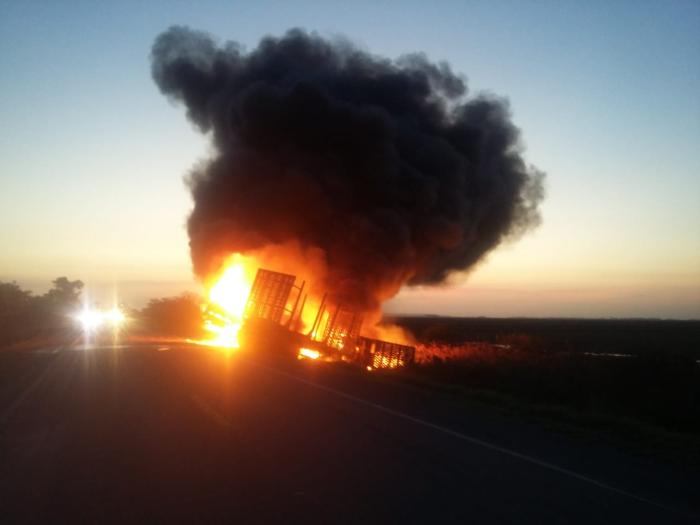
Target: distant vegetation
(628, 336)
(176, 316)
(24, 315)
(643, 371)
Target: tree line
(24, 315)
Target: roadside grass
(647, 403)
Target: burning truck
(356, 174)
(273, 315)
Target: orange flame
(308, 353)
(227, 295)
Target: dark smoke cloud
(384, 165)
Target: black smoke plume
(385, 166)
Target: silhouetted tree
(24, 315)
(13, 299)
(17, 313)
(180, 315)
(53, 309)
(65, 294)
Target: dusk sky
(92, 155)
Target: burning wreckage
(272, 316)
(355, 173)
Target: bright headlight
(89, 319)
(114, 316)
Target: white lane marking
(163, 348)
(481, 443)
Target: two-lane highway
(178, 433)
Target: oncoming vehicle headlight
(91, 320)
(115, 317)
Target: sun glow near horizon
(95, 192)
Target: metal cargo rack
(335, 334)
(269, 297)
(375, 353)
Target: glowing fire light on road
(308, 353)
(225, 335)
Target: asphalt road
(181, 434)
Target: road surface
(175, 433)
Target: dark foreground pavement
(180, 434)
